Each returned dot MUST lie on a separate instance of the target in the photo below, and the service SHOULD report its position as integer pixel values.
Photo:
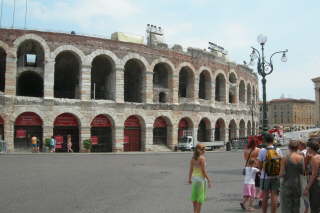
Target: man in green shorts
(270, 185)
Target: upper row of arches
(32, 53)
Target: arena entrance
(160, 131)
(219, 133)
(66, 124)
(1, 129)
(184, 129)
(101, 134)
(27, 124)
(132, 134)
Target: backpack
(272, 163)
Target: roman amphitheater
(123, 96)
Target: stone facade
(200, 87)
(295, 114)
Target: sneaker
(242, 206)
(260, 203)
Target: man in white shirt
(269, 185)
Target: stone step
(160, 148)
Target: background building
(124, 96)
(294, 114)
(316, 82)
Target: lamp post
(252, 109)
(264, 68)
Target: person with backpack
(270, 162)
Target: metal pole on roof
(13, 14)
(1, 13)
(25, 15)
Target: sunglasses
(203, 149)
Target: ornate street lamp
(264, 68)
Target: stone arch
(67, 74)
(109, 54)
(3, 63)
(134, 133)
(205, 85)
(135, 72)
(220, 130)
(233, 77)
(36, 38)
(162, 80)
(242, 129)
(69, 48)
(232, 129)
(204, 130)
(135, 56)
(162, 131)
(242, 91)
(186, 64)
(103, 77)
(220, 87)
(186, 82)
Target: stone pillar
(175, 89)
(174, 136)
(148, 87)
(226, 132)
(148, 139)
(237, 95)
(117, 145)
(196, 90)
(195, 135)
(85, 133)
(48, 79)
(170, 137)
(317, 105)
(85, 82)
(226, 100)
(10, 75)
(9, 134)
(119, 88)
(213, 95)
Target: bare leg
(265, 201)
(199, 207)
(274, 201)
(194, 207)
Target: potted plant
(47, 144)
(87, 145)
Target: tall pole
(13, 14)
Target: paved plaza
(114, 183)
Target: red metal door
(132, 135)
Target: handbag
(244, 169)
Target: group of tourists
(268, 174)
(52, 144)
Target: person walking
(305, 178)
(292, 167)
(249, 189)
(269, 160)
(198, 177)
(52, 144)
(313, 187)
(69, 143)
(34, 143)
(252, 151)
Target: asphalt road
(114, 183)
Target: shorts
(270, 184)
(35, 145)
(249, 190)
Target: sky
(233, 24)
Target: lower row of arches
(29, 124)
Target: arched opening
(220, 132)
(30, 54)
(162, 84)
(204, 131)
(102, 78)
(134, 83)
(66, 76)
(232, 78)
(64, 125)
(1, 129)
(242, 92)
(205, 86)
(186, 83)
(249, 100)
(242, 129)
(232, 88)
(253, 128)
(220, 92)
(30, 84)
(232, 130)
(27, 125)
(162, 97)
(253, 96)
(101, 134)
(160, 131)
(132, 134)
(3, 59)
(232, 96)
(249, 130)
(184, 128)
